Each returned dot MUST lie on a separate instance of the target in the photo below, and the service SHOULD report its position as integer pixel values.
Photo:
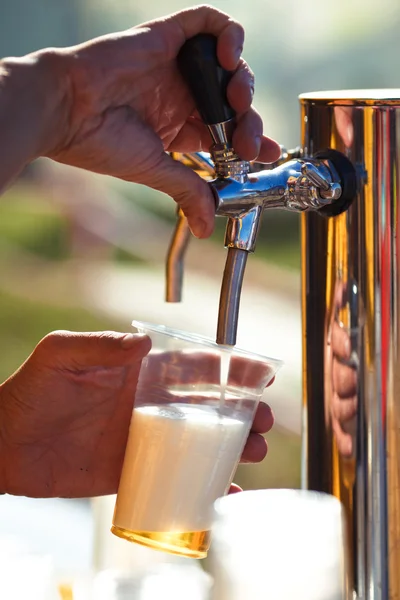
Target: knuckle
(189, 200)
(343, 410)
(51, 342)
(344, 379)
(238, 26)
(246, 72)
(204, 7)
(105, 335)
(206, 10)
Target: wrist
(33, 107)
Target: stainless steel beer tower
(351, 280)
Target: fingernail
(347, 347)
(198, 227)
(252, 90)
(130, 339)
(238, 53)
(257, 141)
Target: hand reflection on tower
(343, 363)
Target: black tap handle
(206, 79)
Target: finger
(91, 349)
(186, 368)
(240, 90)
(340, 341)
(235, 489)
(188, 190)
(255, 450)
(344, 440)
(247, 135)
(343, 409)
(248, 139)
(249, 142)
(205, 19)
(263, 419)
(167, 175)
(250, 373)
(344, 379)
(270, 150)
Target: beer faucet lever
(208, 82)
(325, 183)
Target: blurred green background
(45, 243)
(69, 239)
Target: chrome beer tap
(325, 183)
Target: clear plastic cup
(194, 406)
(279, 544)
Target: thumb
(189, 190)
(91, 349)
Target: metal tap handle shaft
(314, 176)
(205, 78)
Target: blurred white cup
(177, 582)
(25, 573)
(278, 545)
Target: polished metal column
(351, 343)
